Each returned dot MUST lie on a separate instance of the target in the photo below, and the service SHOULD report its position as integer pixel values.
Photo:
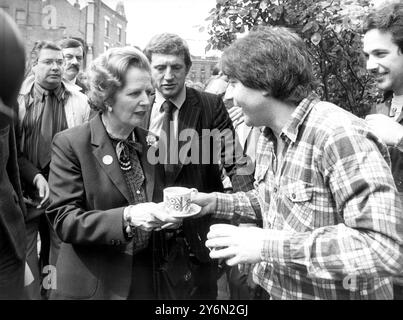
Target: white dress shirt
(157, 115)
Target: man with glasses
(47, 105)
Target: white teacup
(177, 200)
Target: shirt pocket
(295, 205)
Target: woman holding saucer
(101, 184)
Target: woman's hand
(148, 216)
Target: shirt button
(275, 190)
(138, 191)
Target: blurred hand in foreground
(235, 244)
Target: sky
(149, 17)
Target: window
(120, 33)
(106, 46)
(107, 27)
(20, 16)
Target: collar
(291, 128)
(42, 92)
(73, 83)
(397, 100)
(28, 83)
(130, 141)
(178, 101)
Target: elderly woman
(100, 183)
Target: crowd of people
(299, 198)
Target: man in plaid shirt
(332, 222)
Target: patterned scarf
(127, 153)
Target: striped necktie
(46, 133)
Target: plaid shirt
(336, 229)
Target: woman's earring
(108, 107)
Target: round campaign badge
(107, 160)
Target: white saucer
(194, 210)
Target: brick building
(106, 28)
(202, 69)
(97, 25)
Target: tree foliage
(331, 30)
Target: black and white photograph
(203, 155)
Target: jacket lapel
(146, 121)
(106, 155)
(400, 117)
(188, 118)
(148, 169)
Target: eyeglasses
(49, 62)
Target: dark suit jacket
(87, 200)
(12, 211)
(200, 111)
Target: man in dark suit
(12, 209)
(192, 117)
